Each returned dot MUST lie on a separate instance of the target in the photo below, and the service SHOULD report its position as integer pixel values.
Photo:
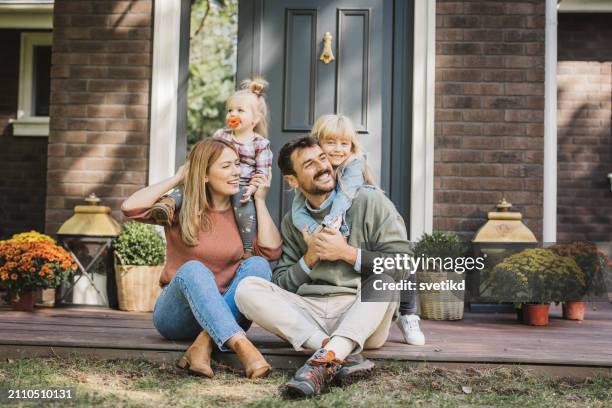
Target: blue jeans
(191, 303)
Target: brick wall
(489, 111)
(584, 207)
(100, 85)
(23, 160)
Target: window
(34, 85)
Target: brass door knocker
(327, 55)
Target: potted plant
(26, 266)
(45, 297)
(534, 278)
(139, 257)
(592, 263)
(439, 252)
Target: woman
(204, 257)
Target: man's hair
(284, 156)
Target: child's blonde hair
(254, 88)
(341, 127)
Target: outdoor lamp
(88, 236)
(503, 234)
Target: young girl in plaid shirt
(247, 128)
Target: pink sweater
(220, 249)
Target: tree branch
(202, 21)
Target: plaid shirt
(255, 157)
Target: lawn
(138, 383)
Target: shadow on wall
(584, 127)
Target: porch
(563, 348)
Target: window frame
(26, 123)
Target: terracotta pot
(574, 309)
(25, 303)
(536, 315)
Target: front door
(283, 40)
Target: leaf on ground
(466, 389)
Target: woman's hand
(263, 185)
(181, 173)
(267, 233)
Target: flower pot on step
(536, 314)
(25, 302)
(574, 310)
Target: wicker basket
(441, 304)
(137, 286)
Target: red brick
(524, 115)
(106, 111)
(126, 124)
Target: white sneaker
(409, 325)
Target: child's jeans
(246, 218)
(335, 218)
(177, 195)
(245, 213)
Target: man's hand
(330, 245)
(310, 257)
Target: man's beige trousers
(295, 318)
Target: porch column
(421, 206)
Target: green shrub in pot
(140, 251)
(443, 246)
(440, 244)
(140, 244)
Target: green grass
(138, 383)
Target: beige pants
(295, 318)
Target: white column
(164, 89)
(549, 227)
(422, 174)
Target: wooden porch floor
(477, 339)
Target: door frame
(410, 139)
(410, 184)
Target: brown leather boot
(253, 362)
(197, 357)
(163, 211)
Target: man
(314, 300)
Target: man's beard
(313, 189)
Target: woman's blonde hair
(195, 211)
(254, 88)
(341, 127)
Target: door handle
(327, 55)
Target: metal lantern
(502, 235)
(88, 236)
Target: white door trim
(164, 90)
(422, 174)
(549, 221)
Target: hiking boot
(356, 368)
(163, 211)
(409, 325)
(197, 357)
(314, 377)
